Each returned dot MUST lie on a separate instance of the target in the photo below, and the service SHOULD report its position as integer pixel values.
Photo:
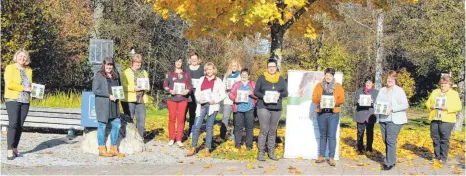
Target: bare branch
(363, 25)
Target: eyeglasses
(272, 66)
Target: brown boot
(191, 152)
(320, 160)
(103, 152)
(207, 153)
(331, 162)
(114, 151)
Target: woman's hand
(212, 102)
(112, 98)
(27, 89)
(172, 92)
(186, 92)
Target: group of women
(198, 91)
(442, 118)
(204, 92)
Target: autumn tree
(273, 18)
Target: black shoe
(385, 167)
(369, 149)
(10, 157)
(238, 146)
(17, 154)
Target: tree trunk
(277, 33)
(379, 47)
(462, 84)
(97, 14)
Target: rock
(129, 141)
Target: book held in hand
(37, 91)
(117, 92)
(143, 83)
(271, 97)
(327, 102)
(365, 100)
(206, 96)
(440, 102)
(242, 96)
(179, 88)
(381, 108)
(194, 82)
(230, 82)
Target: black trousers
(191, 110)
(17, 113)
(241, 120)
(440, 133)
(369, 126)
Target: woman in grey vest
(364, 101)
(393, 118)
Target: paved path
(50, 154)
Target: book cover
(117, 92)
(242, 96)
(270, 97)
(37, 91)
(179, 88)
(143, 83)
(365, 100)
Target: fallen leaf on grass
(208, 166)
(191, 162)
(360, 164)
(298, 172)
(268, 171)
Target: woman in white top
(209, 93)
(391, 120)
(231, 76)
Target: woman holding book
(365, 118)
(443, 103)
(210, 91)
(231, 76)
(244, 100)
(134, 103)
(18, 83)
(178, 83)
(270, 89)
(107, 107)
(328, 96)
(392, 119)
(196, 71)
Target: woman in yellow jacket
(135, 97)
(18, 81)
(443, 103)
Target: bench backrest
(57, 118)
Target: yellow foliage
(405, 81)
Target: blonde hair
(210, 64)
(229, 69)
(137, 58)
(446, 80)
(28, 59)
(194, 54)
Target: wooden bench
(55, 118)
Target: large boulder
(129, 141)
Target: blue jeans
(116, 123)
(328, 125)
(209, 127)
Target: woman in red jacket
(244, 101)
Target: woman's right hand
(172, 92)
(112, 98)
(27, 89)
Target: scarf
(234, 75)
(328, 87)
(269, 78)
(367, 91)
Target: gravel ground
(42, 149)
